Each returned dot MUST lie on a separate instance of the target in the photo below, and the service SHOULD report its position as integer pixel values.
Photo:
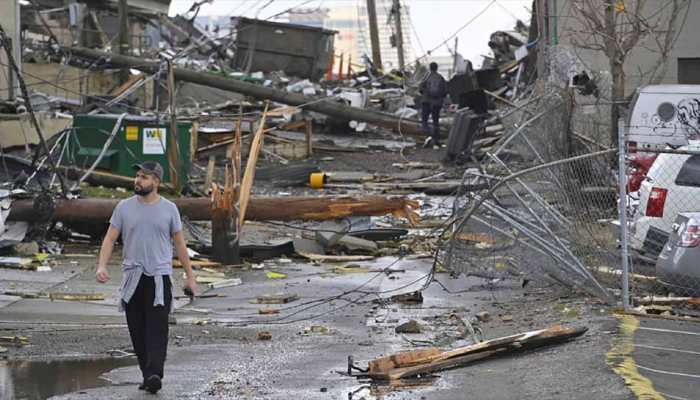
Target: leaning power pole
(374, 34)
(396, 10)
(124, 35)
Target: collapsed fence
(544, 202)
(540, 204)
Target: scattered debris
(277, 299)
(16, 263)
(316, 329)
(225, 283)
(264, 335)
(483, 316)
(333, 258)
(407, 298)
(411, 326)
(76, 296)
(426, 361)
(15, 341)
(275, 275)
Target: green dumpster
(138, 139)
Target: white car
(671, 186)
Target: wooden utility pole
(374, 34)
(124, 36)
(454, 59)
(10, 21)
(396, 9)
(173, 150)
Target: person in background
(433, 90)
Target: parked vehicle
(671, 186)
(663, 115)
(677, 266)
(637, 170)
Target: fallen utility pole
(329, 107)
(259, 208)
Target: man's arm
(101, 274)
(181, 250)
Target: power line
(474, 18)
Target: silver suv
(677, 266)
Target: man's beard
(143, 191)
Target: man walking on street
(433, 90)
(148, 224)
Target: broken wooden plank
(226, 283)
(14, 340)
(277, 298)
(332, 258)
(661, 300)
(386, 368)
(405, 359)
(618, 272)
(76, 296)
(210, 174)
(198, 264)
(249, 175)
(16, 263)
(208, 279)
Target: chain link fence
(542, 203)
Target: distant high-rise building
(315, 17)
(352, 25)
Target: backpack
(435, 87)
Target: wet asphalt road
(300, 362)
(668, 354)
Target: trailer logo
(689, 116)
(683, 116)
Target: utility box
(138, 139)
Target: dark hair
(433, 66)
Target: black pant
(430, 109)
(148, 325)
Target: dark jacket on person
(433, 89)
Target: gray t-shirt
(146, 231)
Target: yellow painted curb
(620, 360)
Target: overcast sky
(433, 20)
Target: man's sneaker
(153, 384)
(428, 142)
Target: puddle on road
(38, 380)
(378, 391)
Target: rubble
(426, 361)
(298, 188)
